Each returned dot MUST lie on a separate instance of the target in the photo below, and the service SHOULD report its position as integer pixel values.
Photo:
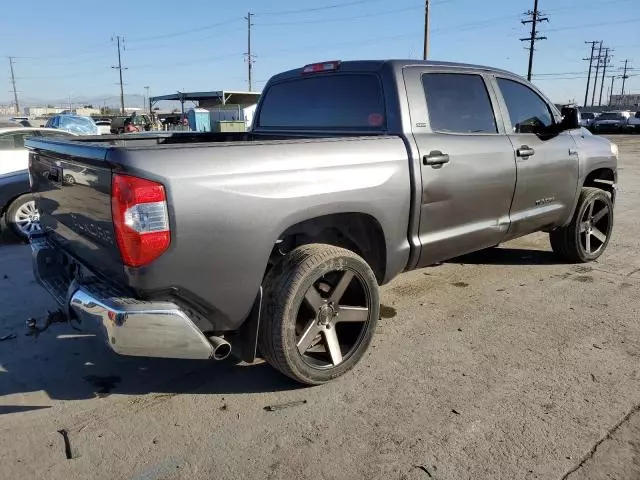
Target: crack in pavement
(606, 437)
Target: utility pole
(249, 55)
(613, 77)
(595, 81)
(593, 50)
(624, 76)
(120, 68)
(148, 100)
(535, 20)
(425, 50)
(607, 57)
(13, 83)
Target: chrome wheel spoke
(587, 243)
(310, 333)
(583, 227)
(353, 314)
(341, 287)
(590, 210)
(600, 215)
(314, 299)
(599, 235)
(333, 346)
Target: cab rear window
(342, 101)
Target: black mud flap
(245, 344)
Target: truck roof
(394, 64)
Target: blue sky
(64, 48)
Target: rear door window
(351, 101)
(458, 103)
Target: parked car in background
(587, 118)
(138, 123)
(104, 126)
(16, 203)
(74, 124)
(633, 124)
(611, 122)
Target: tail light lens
(139, 209)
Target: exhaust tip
(221, 348)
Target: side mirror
(570, 118)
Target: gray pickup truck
(274, 242)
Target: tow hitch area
(57, 316)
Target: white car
(16, 202)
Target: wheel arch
(355, 231)
(603, 179)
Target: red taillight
(139, 209)
(321, 67)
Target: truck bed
(244, 188)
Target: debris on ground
(5, 277)
(11, 336)
(282, 406)
(424, 469)
(224, 407)
(67, 443)
(52, 317)
(596, 346)
(453, 410)
(593, 378)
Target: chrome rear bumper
(130, 326)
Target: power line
(316, 9)
(339, 19)
(187, 32)
(535, 19)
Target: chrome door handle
(435, 158)
(525, 151)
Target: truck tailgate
(72, 185)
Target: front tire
(589, 232)
(22, 217)
(321, 310)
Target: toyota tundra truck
(273, 243)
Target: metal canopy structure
(210, 99)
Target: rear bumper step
(130, 326)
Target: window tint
(351, 101)
(13, 141)
(528, 112)
(7, 142)
(458, 103)
(637, 114)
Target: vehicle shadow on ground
(508, 256)
(68, 366)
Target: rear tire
(22, 217)
(589, 232)
(321, 309)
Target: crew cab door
(467, 165)
(547, 167)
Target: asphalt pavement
(503, 364)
